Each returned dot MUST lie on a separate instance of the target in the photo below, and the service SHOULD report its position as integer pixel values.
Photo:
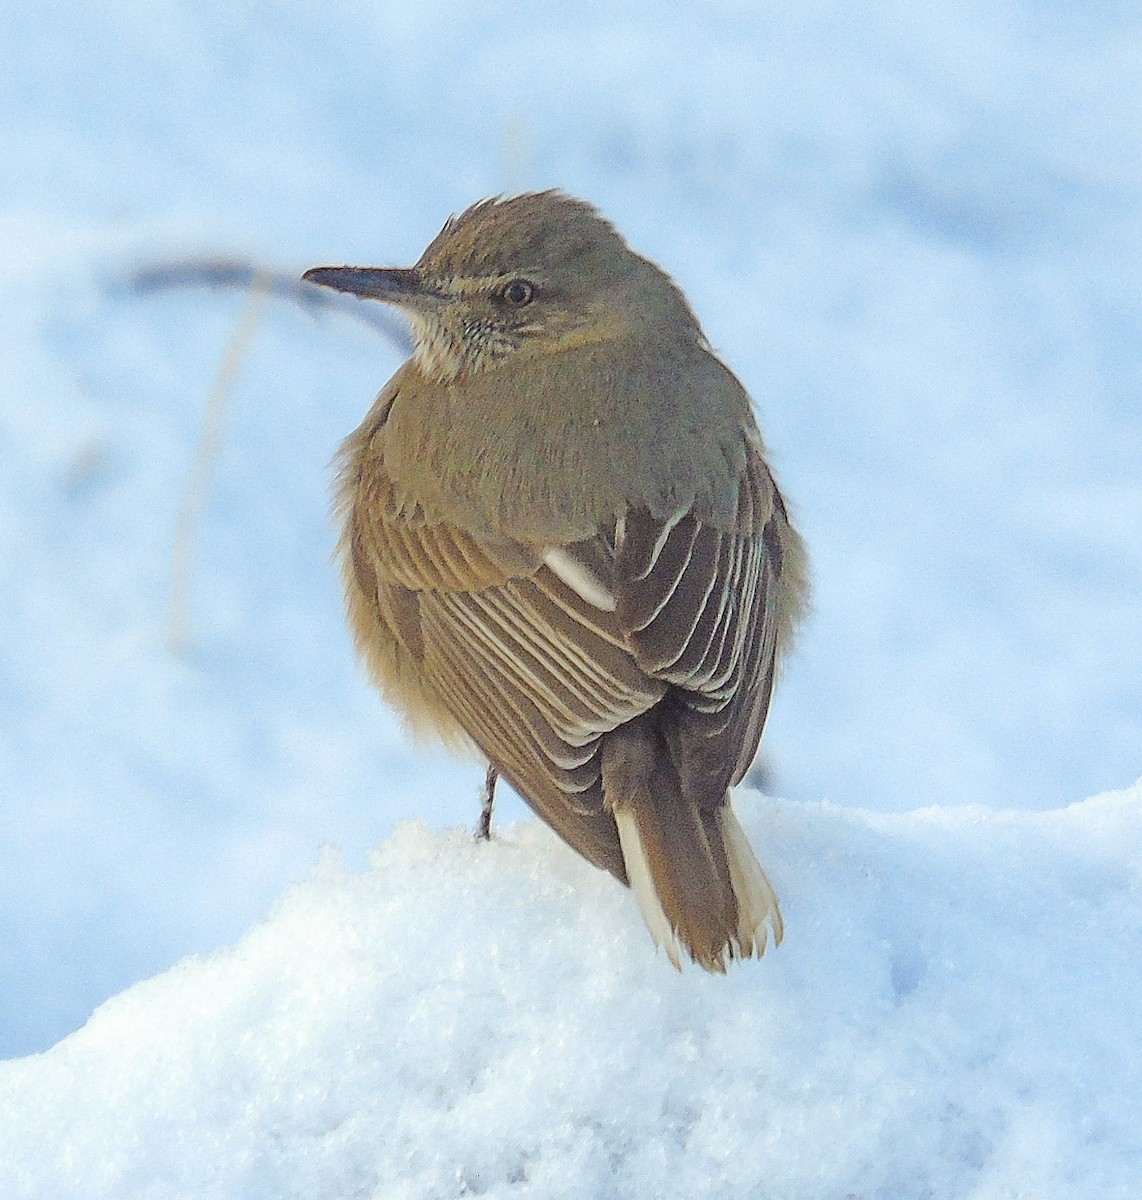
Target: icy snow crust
(954, 1013)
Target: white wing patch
(580, 579)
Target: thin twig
(238, 273)
(195, 495)
(261, 283)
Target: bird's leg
(487, 799)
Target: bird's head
(537, 272)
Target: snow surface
(915, 233)
(955, 1012)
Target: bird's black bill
(395, 285)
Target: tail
(693, 872)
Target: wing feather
(646, 593)
(685, 582)
(709, 625)
(701, 605)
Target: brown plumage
(561, 541)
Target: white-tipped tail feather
(757, 907)
(757, 901)
(642, 884)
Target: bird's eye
(518, 293)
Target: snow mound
(956, 1011)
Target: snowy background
(916, 234)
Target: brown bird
(561, 540)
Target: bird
(561, 544)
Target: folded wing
(540, 651)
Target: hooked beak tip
(394, 285)
(323, 276)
